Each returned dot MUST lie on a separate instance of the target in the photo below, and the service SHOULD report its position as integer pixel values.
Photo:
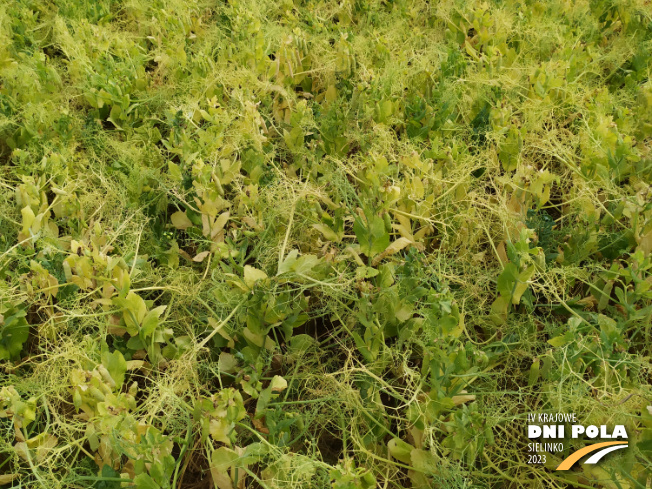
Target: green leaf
(13, 333)
(521, 284)
(257, 339)
(373, 237)
(512, 284)
(134, 311)
(499, 310)
(305, 264)
(175, 172)
(365, 272)
(424, 461)
(510, 149)
(263, 400)
(144, 481)
(253, 453)
(302, 343)
(108, 472)
(294, 139)
(151, 321)
(223, 458)
(507, 279)
(561, 340)
(116, 364)
(534, 372)
(301, 265)
(135, 343)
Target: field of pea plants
(323, 244)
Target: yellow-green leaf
(28, 218)
(331, 93)
(180, 220)
(400, 450)
(253, 275)
(199, 257)
(328, 233)
(219, 223)
(7, 478)
(278, 384)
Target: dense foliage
(316, 243)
